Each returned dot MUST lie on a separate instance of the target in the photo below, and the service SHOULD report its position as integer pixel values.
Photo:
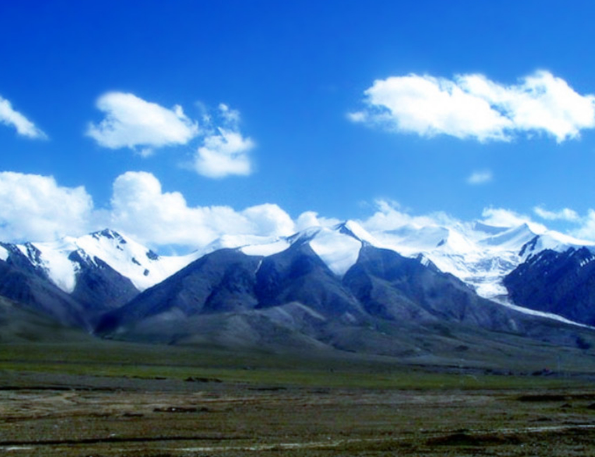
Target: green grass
(115, 359)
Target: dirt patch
(542, 398)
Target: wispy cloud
(474, 107)
(224, 150)
(24, 127)
(502, 217)
(480, 177)
(586, 230)
(565, 214)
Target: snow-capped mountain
(555, 281)
(337, 285)
(479, 254)
(63, 260)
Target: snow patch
(3, 254)
(266, 249)
(586, 261)
(131, 259)
(532, 312)
(54, 260)
(337, 250)
(249, 244)
(127, 257)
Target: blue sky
(248, 114)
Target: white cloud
(312, 219)
(24, 126)
(565, 214)
(501, 217)
(131, 122)
(224, 150)
(224, 154)
(472, 106)
(429, 106)
(36, 208)
(480, 177)
(586, 230)
(141, 209)
(389, 216)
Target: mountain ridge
(328, 286)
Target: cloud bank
(131, 122)
(142, 209)
(23, 126)
(37, 208)
(474, 107)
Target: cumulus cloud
(565, 214)
(131, 122)
(142, 209)
(36, 208)
(224, 150)
(480, 177)
(23, 126)
(472, 106)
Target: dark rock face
(222, 281)
(296, 286)
(298, 275)
(560, 283)
(24, 283)
(394, 287)
(99, 287)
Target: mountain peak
(109, 234)
(354, 230)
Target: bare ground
(73, 415)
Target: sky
(177, 122)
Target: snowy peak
(553, 241)
(481, 227)
(62, 260)
(338, 246)
(511, 239)
(131, 259)
(356, 231)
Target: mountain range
(412, 291)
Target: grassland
(97, 398)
